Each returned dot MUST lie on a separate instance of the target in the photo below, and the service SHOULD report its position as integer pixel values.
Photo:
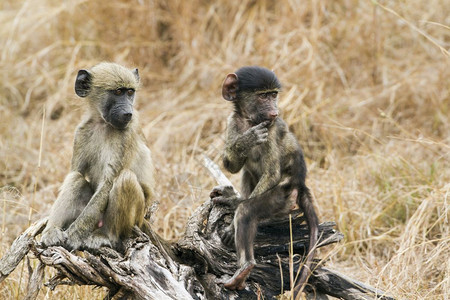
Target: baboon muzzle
(121, 116)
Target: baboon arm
(77, 164)
(236, 148)
(89, 217)
(235, 153)
(233, 160)
(267, 181)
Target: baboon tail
(304, 201)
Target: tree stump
(192, 267)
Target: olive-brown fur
(259, 143)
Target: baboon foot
(96, 241)
(54, 236)
(237, 282)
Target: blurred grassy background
(366, 91)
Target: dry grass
(366, 90)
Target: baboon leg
(245, 224)
(246, 219)
(247, 186)
(74, 194)
(126, 207)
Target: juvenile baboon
(274, 170)
(111, 182)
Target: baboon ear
(230, 87)
(136, 74)
(83, 83)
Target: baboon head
(110, 89)
(254, 92)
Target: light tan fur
(112, 176)
(110, 76)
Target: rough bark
(19, 248)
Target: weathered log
(338, 285)
(141, 273)
(194, 266)
(213, 262)
(19, 248)
(35, 280)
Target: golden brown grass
(366, 90)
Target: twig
(218, 175)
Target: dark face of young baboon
(254, 92)
(111, 180)
(274, 171)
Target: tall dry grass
(366, 91)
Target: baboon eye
(269, 95)
(130, 92)
(118, 92)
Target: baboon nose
(127, 117)
(273, 114)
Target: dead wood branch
(19, 248)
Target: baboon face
(254, 92)
(260, 107)
(117, 108)
(110, 89)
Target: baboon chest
(103, 159)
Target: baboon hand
(258, 134)
(54, 236)
(224, 195)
